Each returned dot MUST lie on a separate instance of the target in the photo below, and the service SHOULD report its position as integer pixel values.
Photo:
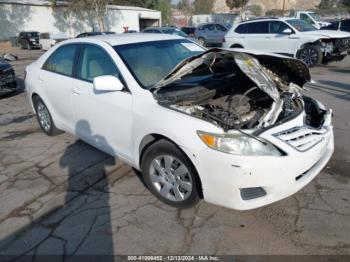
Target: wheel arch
(150, 139)
(236, 46)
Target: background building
(38, 15)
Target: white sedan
(230, 127)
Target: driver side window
(306, 18)
(95, 62)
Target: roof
(122, 39)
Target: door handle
(268, 37)
(76, 90)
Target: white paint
(117, 123)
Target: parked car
(210, 34)
(86, 34)
(28, 40)
(170, 30)
(8, 82)
(312, 18)
(342, 25)
(291, 37)
(189, 30)
(48, 40)
(228, 126)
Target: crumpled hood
(249, 62)
(328, 33)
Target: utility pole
(284, 6)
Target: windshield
(33, 34)
(301, 25)
(149, 62)
(315, 16)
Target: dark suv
(28, 40)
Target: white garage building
(39, 15)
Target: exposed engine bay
(335, 48)
(236, 90)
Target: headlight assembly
(239, 144)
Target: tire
(310, 55)
(170, 175)
(44, 118)
(201, 41)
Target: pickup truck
(312, 18)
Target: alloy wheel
(44, 116)
(171, 178)
(309, 56)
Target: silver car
(210, 34)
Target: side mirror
(287, 31)
(107, 83)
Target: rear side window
(221, 28)
(95, 62)
(258, 28)
(62, 60)
(209, 27)
(242, 29)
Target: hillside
(221, 7)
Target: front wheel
(310, 55)
(170, 175)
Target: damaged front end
(335, 49)
(236, 90)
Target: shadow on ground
(82, 225)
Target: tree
(237, 4)
(185, 6)
(94, 9)
(203, 6)
(255, 9)
(346, 3)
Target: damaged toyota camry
(233, 128)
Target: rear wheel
(44, 118)
(310, 55)
(170, 175)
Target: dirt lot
(61, 196)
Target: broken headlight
(239, 144)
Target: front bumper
(224, 175)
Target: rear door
(102, 118)
(257, 36)
(56, 79)
(220, 33)
(209, 33)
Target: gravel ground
(59, 196)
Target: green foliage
(203, 6)
(255, 9)
(346, 3)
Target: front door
(103, 119)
